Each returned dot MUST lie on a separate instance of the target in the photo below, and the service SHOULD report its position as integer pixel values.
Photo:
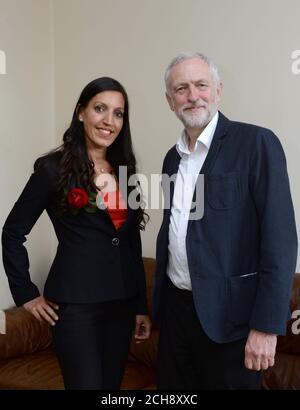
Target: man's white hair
(187, 55)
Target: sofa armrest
(24, 334)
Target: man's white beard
(199, 119)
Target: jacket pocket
(223, 190)
(242, 290)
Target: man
(223, 280)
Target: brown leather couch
(285, 374)
(27, 360)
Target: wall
(26, 117)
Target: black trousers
(188, 359)
(92, 342)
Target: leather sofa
(27, 360)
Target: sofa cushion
(138, 377)
(32, 371)
(40, 371)
(284, 375)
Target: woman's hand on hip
(142, 328)
(42, 309)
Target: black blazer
(242, 252)
(94, 262)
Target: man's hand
(142, 328)
(41, 309)
(260, 350)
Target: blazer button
(115, 241)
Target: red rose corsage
(77, 198)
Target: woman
(95, 293)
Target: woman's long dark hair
(74, 163)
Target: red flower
(77, 198)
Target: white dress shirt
(188, 172)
